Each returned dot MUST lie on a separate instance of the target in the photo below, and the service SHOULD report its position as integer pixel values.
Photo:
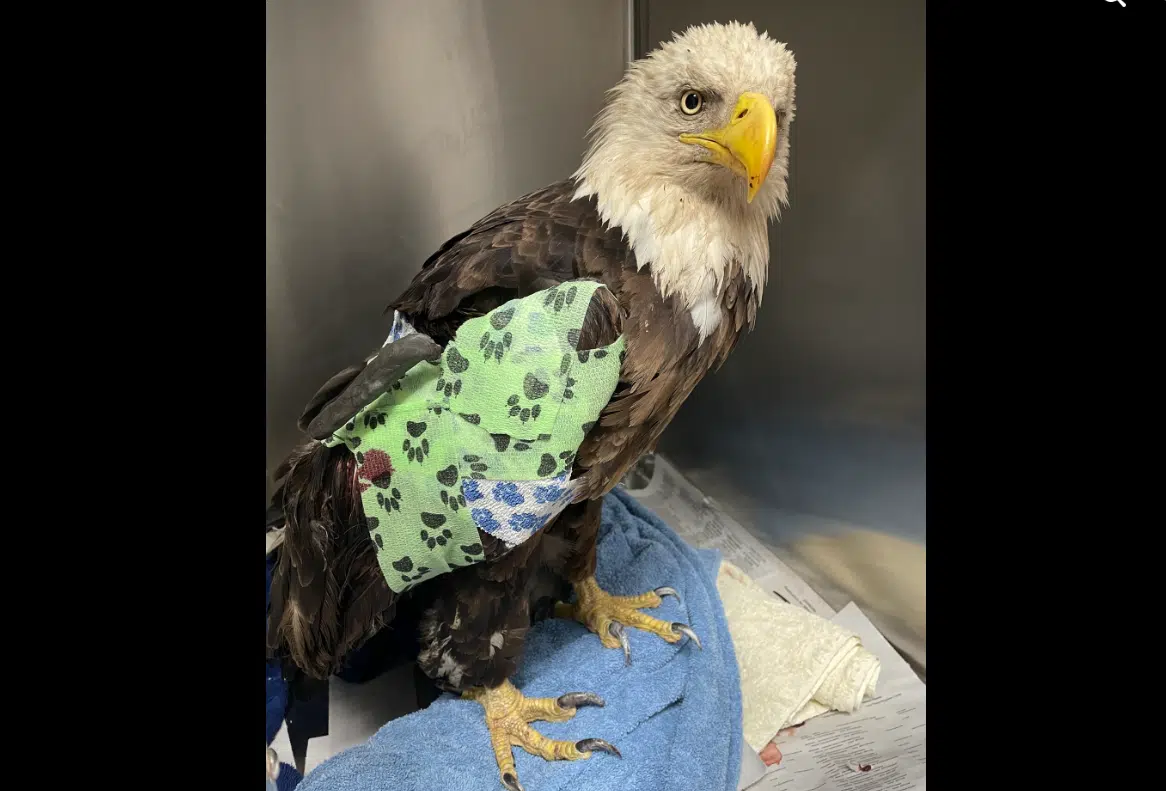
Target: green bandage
(484, 439)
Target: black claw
(685, 629)
(662, 592)
(591, 745)
(511, 782)
(617, 631)
(573, 700)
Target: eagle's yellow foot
(607, 615)
(508, 713)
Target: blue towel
(675, 714)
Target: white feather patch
(706, 315)
(689, 257)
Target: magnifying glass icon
(1120, 2)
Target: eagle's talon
(591, 745)
(573, 700)
(666, 591)
(609, 616)
(617, 631)
(508, 715)
(685, 629)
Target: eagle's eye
(691, 102)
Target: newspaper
(880, 747)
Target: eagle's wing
(535, 242)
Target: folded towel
(793, 664)
(675, 714)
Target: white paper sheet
(752, 767)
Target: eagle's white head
(690, 156)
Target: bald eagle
(686, 166)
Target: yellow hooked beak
(747, 143)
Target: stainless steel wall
(391, 126)
(814, 432)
